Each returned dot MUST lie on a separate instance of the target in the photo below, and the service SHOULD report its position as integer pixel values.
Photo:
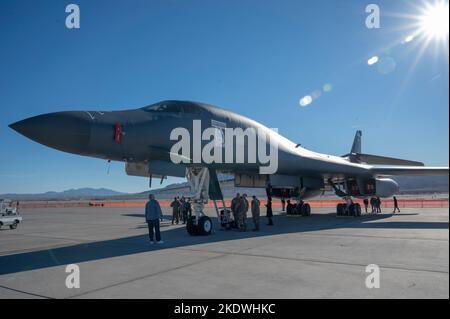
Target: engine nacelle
(386, 187)
(282, 186)
(365, 187)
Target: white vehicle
(9, 216)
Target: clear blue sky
(255, 57)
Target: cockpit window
(173, 107)
(164, 107)
(191, 108)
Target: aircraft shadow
(177, 237)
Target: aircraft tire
(204, 226)
(339, 210)
(357, 210)
(306, 210)
(354, 210)
(190, 226)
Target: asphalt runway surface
(321, 256)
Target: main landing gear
(303, 209)
(345, 209)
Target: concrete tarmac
(321, 256)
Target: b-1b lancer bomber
(198, 141)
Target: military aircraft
(145, 139)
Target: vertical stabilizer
(356, 147)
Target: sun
(433, 22)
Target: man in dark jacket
(378, 204)
(366, 204)
(184, 209)
(269, 211)
(152, 215)
(255, 212)
(175, 210)
(234, 205)
(373, 204)
(396, 208)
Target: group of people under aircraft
(375, 204)
(181, 209)
(240, 205)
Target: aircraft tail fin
(356, 156)
(356, 147)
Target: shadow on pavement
(177, 237)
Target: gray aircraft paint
(146, 138)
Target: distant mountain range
(408, 185)
(79, 193)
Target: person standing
(373, 204)
(283, 204)
(378, 201)
(366, 204)
(188, 208)
(255, 212)
(396, 208)
(269, 213)
(175, 210)
(152, 215)
(234, 205)
(181, 210)
(184, 209)
(241, 211)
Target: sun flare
(433, 23)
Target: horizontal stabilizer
(382, 160)
(409, 171)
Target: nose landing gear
(199, 223)
(203, 227)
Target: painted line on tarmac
(25, 292)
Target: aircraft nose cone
(66, 131)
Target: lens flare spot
(408, 39)
(327, 88)
(306, 100)
(386, 65)
(373, 60)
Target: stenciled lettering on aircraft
(220, 136)
(257, 144)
